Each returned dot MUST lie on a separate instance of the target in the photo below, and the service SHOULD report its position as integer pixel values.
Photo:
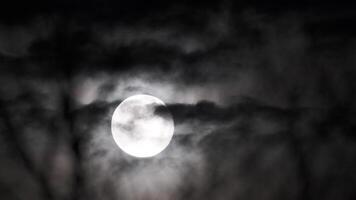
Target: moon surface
(142, 126)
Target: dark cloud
(262, 96)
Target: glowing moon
(142, 126)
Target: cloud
(15, 40)
(262, 99)
(223, 150)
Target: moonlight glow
(142, 126)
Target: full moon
(142, 126)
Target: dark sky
(262, 94)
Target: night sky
(262, 94)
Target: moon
(142, 126)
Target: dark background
(262, 95)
